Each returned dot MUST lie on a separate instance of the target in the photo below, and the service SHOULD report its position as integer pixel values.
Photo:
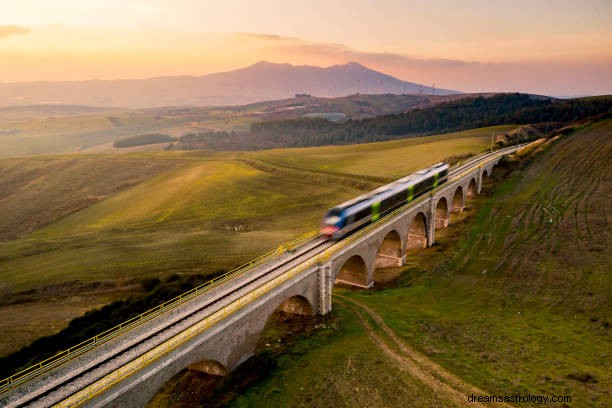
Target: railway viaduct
(225, 328)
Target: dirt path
(417, 365)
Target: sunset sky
(554, 47)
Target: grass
(203, 216)
(65, 134)
(52, 316)
(392, 159)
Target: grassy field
(90, 131)
(92, 218)
(50, 129)
(513, 298)
(392, 159)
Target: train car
(351, 215)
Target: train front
(332, 223)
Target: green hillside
(392, 159)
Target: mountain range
(258, 82)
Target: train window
(334, 212)
(365, 213)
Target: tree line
(465, 113)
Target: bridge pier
(325, 288)
(431, 225)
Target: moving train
(353, 214)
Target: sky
(553, 47)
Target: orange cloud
(264, 37)
(340, 52)
(8, 30)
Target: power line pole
(492, 136)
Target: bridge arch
(417, 232)
(211, 367)
(296, 304)
(458, 200)
(441, 214)
(472, 189)
(353, 271)
(390, 251)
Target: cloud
(8, 30)
(263, 37)
(335, 51)
(330, 51)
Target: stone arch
(296, 305)
(485, 174)
(211, 367)
(290, 316)
(417, 232)
(390, 251)
(354, 271)
(441, 215)
(458, 200)
(472, 189)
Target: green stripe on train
(375, 211)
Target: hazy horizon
(558, 48)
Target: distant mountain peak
(353, 64)
(268, 64)
(261, 81)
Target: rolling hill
(258, 82)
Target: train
(351, 215)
